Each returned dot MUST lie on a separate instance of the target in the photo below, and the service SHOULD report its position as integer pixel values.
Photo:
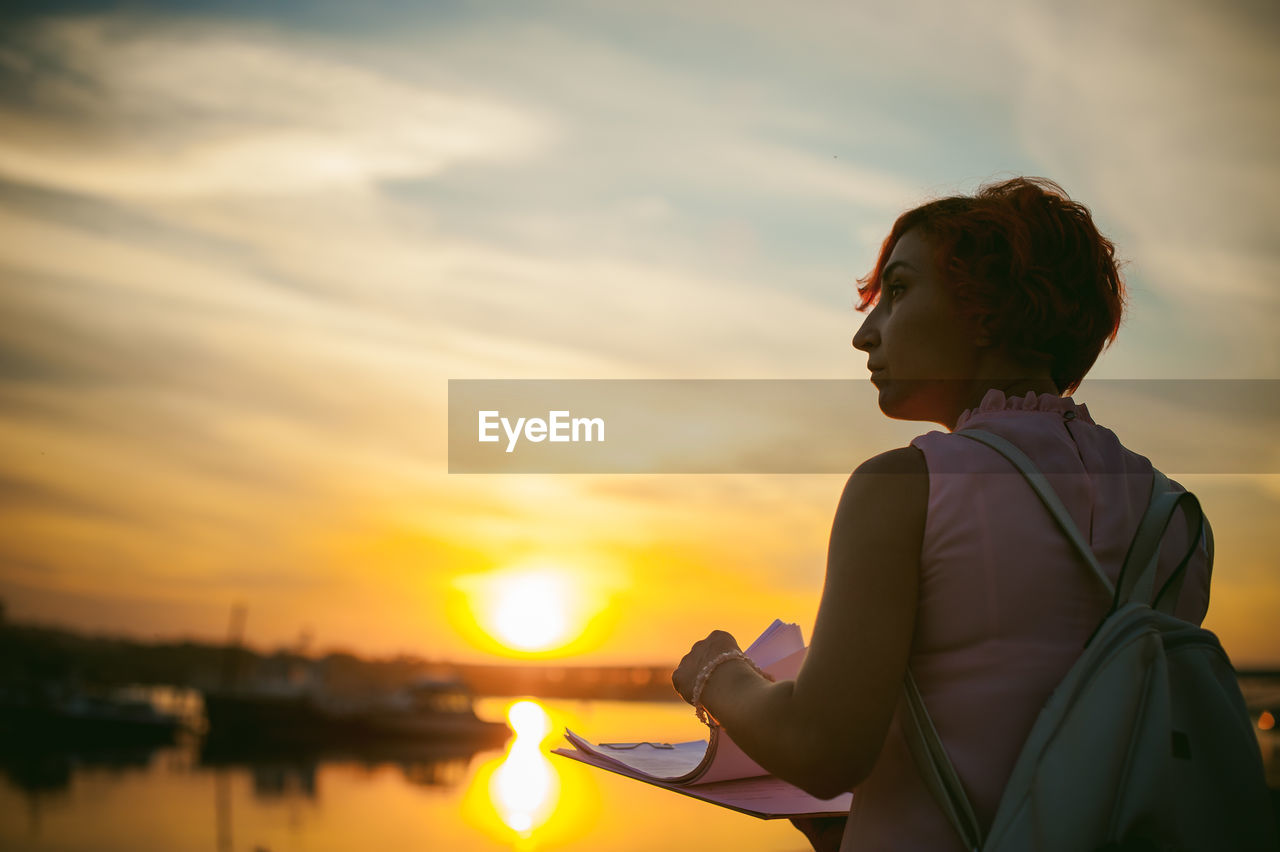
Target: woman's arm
(823, 731)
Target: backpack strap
(1047, 496)
(1138, 574)
(936, 769)
(1174, 583)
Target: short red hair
(1028, 264)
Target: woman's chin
(892, 407)
(899, 406)
(891, 401)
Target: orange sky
(242, 258)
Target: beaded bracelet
(700, 682)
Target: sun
(533, 608)
(530, 610)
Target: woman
(986, 311)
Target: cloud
(139, 109)
(1159, 117)
(778, 170)
(1163, 119)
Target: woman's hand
(702, 652)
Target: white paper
(764, 796)
(779, 650)
(778, 641)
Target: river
(519, 797)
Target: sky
(246, 246)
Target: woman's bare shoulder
(902, 460)
(889, 488)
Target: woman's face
(922, 355)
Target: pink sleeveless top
(1005, 602)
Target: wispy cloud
(140, 109)
(1164, 120)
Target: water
(516, 798)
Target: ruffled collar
(995, 401)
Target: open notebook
(715, 769)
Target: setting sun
(530, 611)
(533, 607)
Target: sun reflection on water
(525, 787)
(525, 799)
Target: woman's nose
(866, 336)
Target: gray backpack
(1145, 744)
